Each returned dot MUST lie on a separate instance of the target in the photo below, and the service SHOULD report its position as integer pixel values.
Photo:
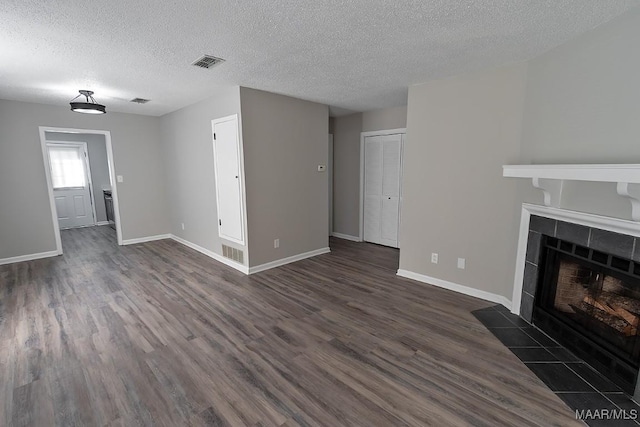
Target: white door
(71, 184)
(227, 154)
(382, 177)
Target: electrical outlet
(119, 178)
(276, 243)
(461, 263)
(182, 225)
(434, 258)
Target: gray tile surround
(543, 225)
(573, 233)
(533, 247)
(621, 245)
(617, 244)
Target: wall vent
(140, 100)
(207, 61)
(233, 253)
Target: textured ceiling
(350, 54)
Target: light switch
(322, 168)
(119, 178)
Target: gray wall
(285, 139)
(455, 201)
(385, 118)
(579, 104)
(98, 163)
(346, 175)
(583, 106)
(25, 215)
(187, 147)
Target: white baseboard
(346, 237)
(487, 296)
(146, 239)
(288, 260)
(101, 223)
(240, 267)
(29, 257)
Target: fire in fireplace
(590, 301)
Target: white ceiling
(350, 54)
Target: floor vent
(207, 61)
(233, 253)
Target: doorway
(80, 173)
(73, 192)
(380, 186)
(330, 183)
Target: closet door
(226, 151)
(382, 177)
(372, 189)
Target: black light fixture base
(90, 106)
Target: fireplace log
(627, 315)
(612, 314)
(589, 311)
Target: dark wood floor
(157, 334)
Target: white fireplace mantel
(550, 179)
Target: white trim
(145, 239)
(330, 180)
(477, 293)
(241, 268)
(383, 132)
(346, 237)
(521, 253)
(629, 173)
(550, 179)
(101, 223)
(363, 135)
(47, 172)
(288, 260)
(29, 257)
(240, 154)
(615, 225)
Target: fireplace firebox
(589, 301)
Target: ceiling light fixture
(90, 106)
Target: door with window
(71, 184)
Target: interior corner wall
(460, 131)
(384, 118)
(26, 227)
(98, 163)
(285, 139)
(187, 148)
(346, 161)
(346, 174)
(583, 106)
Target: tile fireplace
(581, 286)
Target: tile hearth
(575, 382)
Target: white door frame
(47, 172)
(87, 170)
(243, 190)
(363, 135)
(330, 174)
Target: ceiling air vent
(207, 61)
(140, 100)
